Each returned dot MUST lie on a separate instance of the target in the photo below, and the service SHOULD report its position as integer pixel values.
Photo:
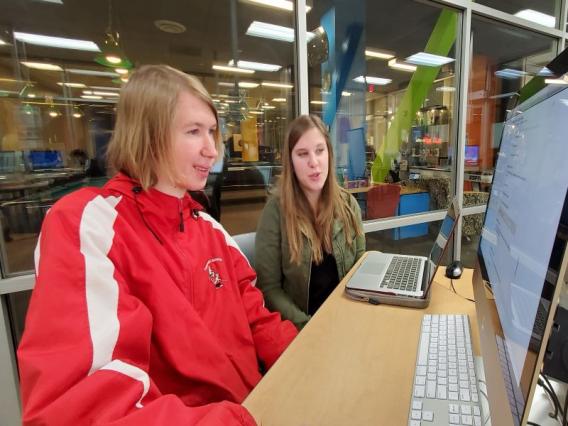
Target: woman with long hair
(310, 232)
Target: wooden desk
(353, 364)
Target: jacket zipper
(181, 224)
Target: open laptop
(398, 279)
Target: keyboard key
(414, 422)
(417, 405)
(420, 380)
(454, 419)
(416, 415)
(477, 420)
(428, 416)
(441, 394)
(464, 395)
(476, 410)
(419, 391)
(454, 409)
(431, 389)
(467, 420)
(466, 409)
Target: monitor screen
(520, 229)
(357, 156)
(45, 159)
(471, 155)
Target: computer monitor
(522, 256)
(47, 159)
(356, 160)
(471, 155)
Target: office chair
(382, 200)
(246, 244)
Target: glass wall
(60, 79)
(389, 99)
(501, 75)
(543, 12)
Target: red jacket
(144, 312)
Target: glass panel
(544, 12)
(395, 241)
(57, 101)
(388, 97)
(501, 75)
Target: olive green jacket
(285, 284)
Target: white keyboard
(445, 390)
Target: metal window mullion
(300, 30)
(563, 19)
(9, 395)
(465, 52)
(398, 221)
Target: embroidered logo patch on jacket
(213, 273)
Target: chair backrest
(246, 244)
(382, 200)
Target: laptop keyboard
(402, 274)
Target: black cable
(547, 386)
(454, 290)
(532, 424)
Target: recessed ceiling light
(121, 71)
(81, 71)
(537, 17)
(428, 59)
(257, 66)
(113, 59)
(274, 32)
(268, 107)
(400, 66)
(381, 54)
(74, 85)
(242, 84)
(276, 4)
(510, 73)
(318, 102)
(60, 42)
(105, 88)
(276, 84)
(279, 100)
(372, 80)
(256, 112)
(346, 93)
(91, 97)
(42, 66)
(51, 1)
(445, 89)
(545, 72)
(31, 95)
(232, 69)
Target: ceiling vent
(170, 27)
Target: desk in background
(353, 364)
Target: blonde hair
(141, 145)
(333, 203)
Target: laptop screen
(439, 246)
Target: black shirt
(323, 280)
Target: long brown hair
(142, 144)
(300, 219)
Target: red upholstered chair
(382, 200)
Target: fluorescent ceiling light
(52, 1)
(41, 66)
(257, 66)
(31, 95)
(121, 71)
(428, 60)
(537, 17)
(374, 53)
(279, 100)
(74, 85)
(268, 107)
(279, 85)
(545, 72)
(105, 88)
(242, 84)
(276, 4)
(555, 81)
(318, 102)
(401, 66)
(2, 42)
(256, 112)
(445, 89)
(232, 69)
(99, 93)
(372, 80)
(80, 71)
(346, 93)
(274, 32)
(63, 43)
(91, 97)
(510, 73)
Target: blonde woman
(144, 309)
(310, 233)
